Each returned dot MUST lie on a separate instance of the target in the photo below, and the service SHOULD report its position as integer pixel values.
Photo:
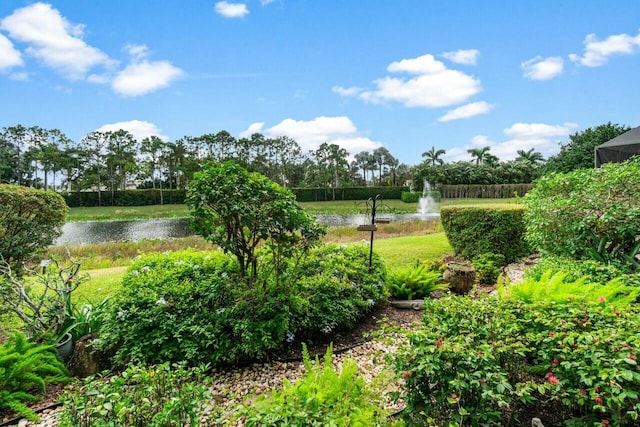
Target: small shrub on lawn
(157, 396)
(413, 282)
(483, 361)
(476, 231)
(324, 396)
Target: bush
(413, 282)
(322, 397)
(475, 231)
(173, 307)
(194, 306)
(487, 267)
(410, 196)
(485, 361)
(124, 198)
(588, 214)
(592, 271)
(156, 396)
(30, 221)
(346, 193)
(337, 288)
(24, 367)
(555, 288)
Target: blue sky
(406, 75)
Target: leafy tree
(365, 161)
(120, 158)
(382, 158)
(432, 157)
(238, 210)
(578, 153)
(153, 146)
(333, 167)
(93, 149)
(30, 220)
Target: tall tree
(530, 155)
(332, 163)
(382, 157)
(93, 148)
(578, 153)
(153, 147)
(432, 157)
(365, 161)
(481, 155)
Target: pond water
(75, 233)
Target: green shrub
(30, 221)
(346, 193)
(410, 196)
(486, 361)
(322, 397)
(554, 288)
(591, 270)
(588, 214)
(413, 282)
(336, 288)
(194, 306)
(25, 367)
(156, 396)
(172, 307)
(475, 231)
(124, 198)
(487, 267)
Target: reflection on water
(112, 231)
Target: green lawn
(110, 213)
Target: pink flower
(601, 299)
(439, 343)
(480, 353)
(598, 400)
(555, 361)
(552, 379)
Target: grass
(111, 213)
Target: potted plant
(42, 300)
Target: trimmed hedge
(124, 198)
(475, 231)
(479, 191)
(414, 197)
(346, 193)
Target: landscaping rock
(461, 277)
(87, 360)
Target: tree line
(115, 161)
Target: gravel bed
(234, 386)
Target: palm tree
(530, 156)
(433, 156)
(480, 155)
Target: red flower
(553, 379)
(439, 343)
(582, 392)
(632, 356)
(598, 400)
(551, 333)
(454, 396)
(555, 361)
(605, 422)
(480, 353)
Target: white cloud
(466, 111)
(434, 85)
(253, 128)
(266, 2)
(597, 52)
(539, 68)
(137, 51)
(138, 128)
(231, 10)
(520, 136)
(9, 56)
(462, 56)
(310, 134)
(145, 77)
(54, 40)
(425, 64)
(346, 91)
